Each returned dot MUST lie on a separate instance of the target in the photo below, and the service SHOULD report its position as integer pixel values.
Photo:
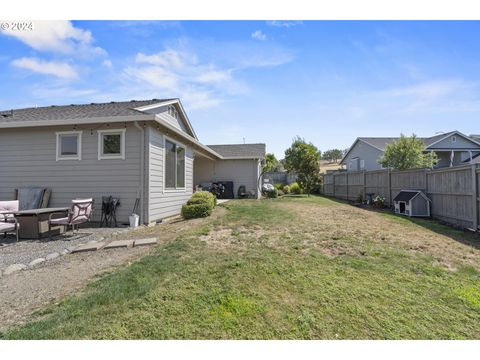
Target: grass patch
(292, 270)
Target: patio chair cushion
(81, 210)
(4, 227)
(60, 221)
(8, 206)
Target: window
(454, 139)
(172, 111)
(69, 145)
(174, 165)
(111, 144)
(362, 164)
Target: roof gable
(184, 122)
(445, 142)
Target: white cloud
(286, 24)
(59, 37)
(428, 89)
(180, 73)
(55, 68)
(259, 35)
(107, 63)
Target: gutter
(142, 169)
(80, 121)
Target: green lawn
(290, 268)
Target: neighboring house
(452, 149)
(136, 149)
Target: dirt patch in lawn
(347, 230)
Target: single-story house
(452, 149)
(145, 150)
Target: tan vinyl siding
(27, 157)
(241, 172)
(166, 203)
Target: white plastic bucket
(134, 218)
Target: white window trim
(454, 139)
(170, 190)
(120, 156)
(362, 164)
(58, 156)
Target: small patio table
(34, 222)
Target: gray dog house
(412, 203)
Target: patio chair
(7, 208)
(80, 213)
(242, 192)
(8, 226)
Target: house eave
(171, 102)
(187, 137)
(80, 121)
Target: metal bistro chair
(109, 211)
(80, 212)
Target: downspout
(142, 168)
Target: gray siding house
(144, 150)
(452, 149)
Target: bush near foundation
(201, 204)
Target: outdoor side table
(34, 222)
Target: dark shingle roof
(256, 151)
(81, 111)
(406, 195)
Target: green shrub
(272, 193)
(201, 197)
(286, 189)
(295, 188)
(279, 186)
(201, 204)
(191, 211)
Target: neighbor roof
(249, 151)
(382, 142)
(79, 111)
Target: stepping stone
(36, 262)
(89, 247)
(119, 244)
(52, 256)
(14, 268)
(141, 242)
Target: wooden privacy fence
(454, 192)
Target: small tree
(407, 153)
(271, 163)
(332, 155)
(304, 160)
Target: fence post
(333, 177)
(346, 182)
(390, 187)
(475, 197)
(364, 185)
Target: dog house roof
(407, 195)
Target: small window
(111, 144)
(362, 164)
(174, 166)
(69, 145)
(454, 139)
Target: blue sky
(326, 81)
